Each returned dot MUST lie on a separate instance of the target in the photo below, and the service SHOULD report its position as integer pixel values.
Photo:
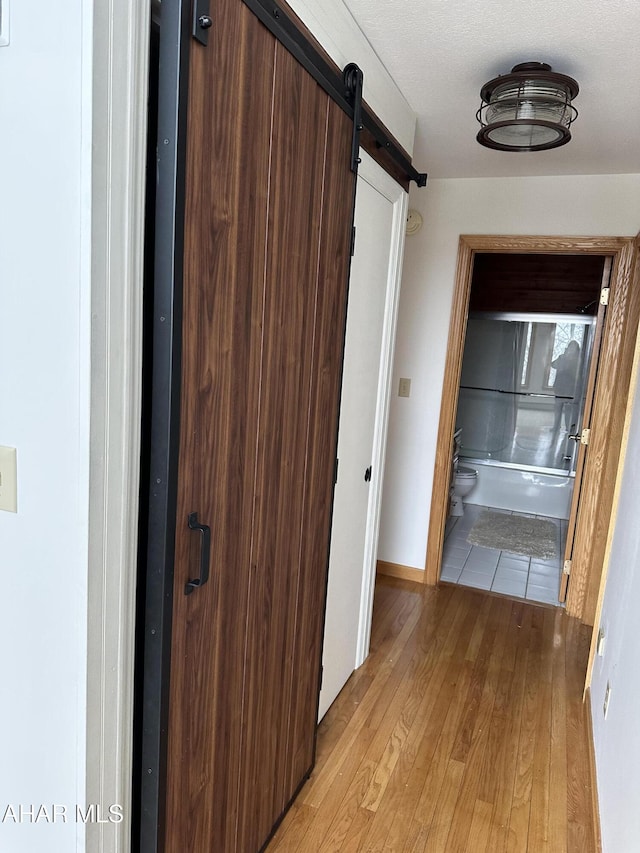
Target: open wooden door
(582, 434)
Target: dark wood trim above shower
(536, 283)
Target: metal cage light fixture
(529, 109)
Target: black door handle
(205, 549)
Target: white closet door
(371, 319)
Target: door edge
(156, 572)
(376, 176)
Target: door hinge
(584, 436)
(202, 21)
(566, 569)
(353, 241)
(604, 296)
(335, 478)
(321, 677)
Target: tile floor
(499, 571)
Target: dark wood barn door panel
(227, 176)
(304, 323)
(326, 377)
(268, 209)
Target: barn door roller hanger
(353, 81)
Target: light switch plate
(8, 479)
(404, 388)
(4, 22)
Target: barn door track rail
(345, 89)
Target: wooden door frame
(618, 345)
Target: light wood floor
(464, 731)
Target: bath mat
(516, 534)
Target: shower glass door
(522, 389)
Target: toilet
(463, 482)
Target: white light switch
(8, 479)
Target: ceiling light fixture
(527, 110)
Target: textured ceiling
(440, 52)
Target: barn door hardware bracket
(202, 21)
(353, 82)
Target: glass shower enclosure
(522, 389)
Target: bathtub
(507, 486)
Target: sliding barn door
(268, 211)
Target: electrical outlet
(404, 389)
(605, 704)
(8, 479)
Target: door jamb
(374, 174)
(634, 388)
(117, 133)
(619, 248)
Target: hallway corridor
(463, 731)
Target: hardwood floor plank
(402, 795)
(320, 782)
(521, 804)
(559, 755)
(480, 827)
(443, 814)
(339, 807)
(450, 638)
(357, 831)
(423, 669)
(464, 732)
(293, 828)
(474, 757)
(539, 818)
(538, 838)
(439, 764)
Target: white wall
(617, 739)
(580, 206)
(44, 412)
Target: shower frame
(586, 320)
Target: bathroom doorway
(492, 281)
(520, 414)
